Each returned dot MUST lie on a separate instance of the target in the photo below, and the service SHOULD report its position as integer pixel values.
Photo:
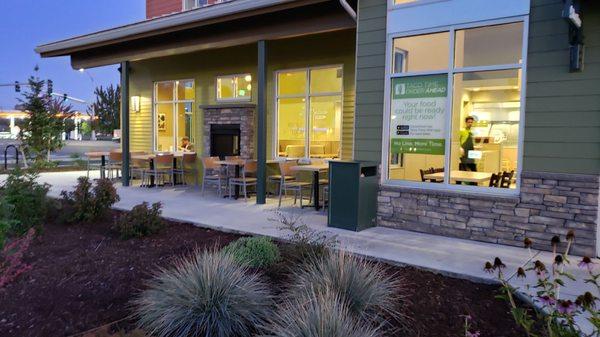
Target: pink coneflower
(541, 274)
(587, 263)
(566, 307)
(472, 334)
(498, 263)
(547, 300)
(488, 267)
(586, 300)
(558, 260)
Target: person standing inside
(467, 145)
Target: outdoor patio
(449, 256)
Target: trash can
(352, 194)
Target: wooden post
(261, 138)
(125, 121)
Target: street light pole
(92, 120)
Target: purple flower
(472, 334)
(586, 263)
(566, 307)
(547, 300)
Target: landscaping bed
(84, 276)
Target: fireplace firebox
(224, 140)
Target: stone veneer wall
(548, 204)
(242, 115)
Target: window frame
(307, 95)
(392, 3)
(175, 102)
(236, 98)
(450, 71)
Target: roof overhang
(226, 24)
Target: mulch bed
(84, 276)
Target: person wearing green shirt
(466, 145)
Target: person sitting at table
(467, 145)
(186, 146)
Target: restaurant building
(483, 115)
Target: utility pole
(92, 120)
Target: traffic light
(17, 86)
(65, 97)
(50, 87)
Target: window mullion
(307, 107)
(449, 105)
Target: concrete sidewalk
(449, 256)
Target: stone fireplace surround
(242, 114)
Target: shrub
(207, 294)
(23, 201)
(11, 258)
(140, 221)
(7, 223)
(255, 252)
(88, 202)
(305, 242)
(317, 315)
(369, 292)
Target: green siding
(324, 49)
(370, 72)
(562, 114)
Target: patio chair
(276, 178)
(212, 174)
(187, 166)
(231, 169)
(115, 163)
(163, 167)
(247, 178)
(140, 167)
(93, 165)
(291, 185)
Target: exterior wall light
(135, 103)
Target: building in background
(482, 129)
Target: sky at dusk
(24, 24)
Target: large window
(234, 87)
(455, 107)
(309, 112)
(173, 114)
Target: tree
(41, 132)
(106, 109)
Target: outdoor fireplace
(224, 140)
(229, 130)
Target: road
(71, 147)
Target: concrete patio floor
(449, 256)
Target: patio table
(467, 176)
(315, 169)
(237, 163)
(150, 158)
(102, 155)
